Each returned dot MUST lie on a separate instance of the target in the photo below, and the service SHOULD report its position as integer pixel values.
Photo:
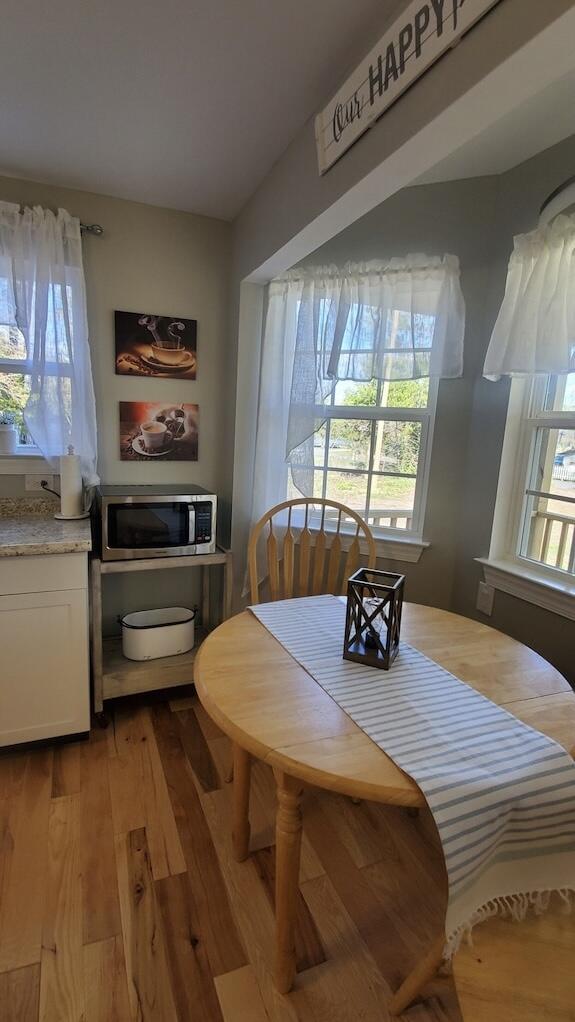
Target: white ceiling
(540, 122)
(178, 103)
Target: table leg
(241, 827)
(423, 972)
(288, 848)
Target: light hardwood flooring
(120, 900)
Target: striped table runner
(502, 795)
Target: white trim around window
(508, 568)
(25, 461)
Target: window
(546, 533)
(534, 527)
(372, 453)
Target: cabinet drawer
(44, 574)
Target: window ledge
(392, 548)
(22, 461)
(530, 585)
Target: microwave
(131, 522)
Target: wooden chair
(311, 563)
(311, 560)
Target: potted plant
(8, 433)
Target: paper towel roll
(71, 494)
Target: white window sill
(23, 461)
(529, 584)
(391, 548)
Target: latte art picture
(166, 432)
(150, 345)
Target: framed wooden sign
(415, 41)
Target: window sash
(378, 413)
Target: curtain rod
(556, 192)
(92, 229)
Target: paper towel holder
(59, 515)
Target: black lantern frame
(373, 618)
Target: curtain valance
(535, 329)
(398, 320)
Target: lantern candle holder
(373, 619)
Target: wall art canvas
(149, 345)
(158, 431)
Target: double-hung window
(372, 453)
(545, 523)
(534, 528)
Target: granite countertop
(28, 528)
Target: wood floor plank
(99, 883)
(23, 833)
(240, 998)
(188, 963)
(20, 994)
(166, 851)
(309, 948)
(251, 906)
(66, 769)
(374, 921)
(197, 750)
(61, 983)
(149, 987)
(125, 767)
(105, 981)
(223, 944)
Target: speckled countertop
(28, 528)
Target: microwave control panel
(203, 509)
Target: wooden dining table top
(267, 703)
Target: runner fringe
(514, 906)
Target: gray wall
(167, 262)
(475, 219)
(458, 218)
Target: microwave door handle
(192, 524)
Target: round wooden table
(272, 709)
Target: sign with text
(414, 42)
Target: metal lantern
(373, 619)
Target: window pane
(561, 393)
(348, 489)
(14, 391)
(549, 524)
(11, 343)
(293, 493)
(349, 393)
(349, 443)
(404, 393)
(397, 447)
(391, 502)
(319, 447)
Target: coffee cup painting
(149, 345)
(156, 430)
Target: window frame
(426, 417)
(506, 567)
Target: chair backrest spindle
(319, 566)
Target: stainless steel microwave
(133, 522)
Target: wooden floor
(120, 901)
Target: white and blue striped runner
(502, 795)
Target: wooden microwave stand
(112, 674)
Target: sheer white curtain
(42, 293)
(398, 320)
(535, 328)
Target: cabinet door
(44, 673)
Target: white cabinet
(44, 657)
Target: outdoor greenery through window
(14, 383)
(371, 452)
(547, 528)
